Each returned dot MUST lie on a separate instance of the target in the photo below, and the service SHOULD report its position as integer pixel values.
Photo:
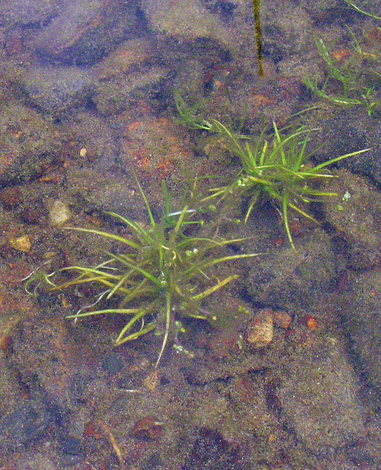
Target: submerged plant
(351, 82)
(364, 8)
(276, 169)
(163, 271)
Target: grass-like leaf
(159, 272)
(276, 169)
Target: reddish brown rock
(155, 148)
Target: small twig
(106, 429)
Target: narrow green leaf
(118, 311)
(337, 159)
(168, 298)
(108, 235)
(285, 205)
(215, 288)
(120, 340)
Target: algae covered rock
(26, 12)
(92, 140)
(85, 30)
(184, 19)
(128, 76)
(55, 89)
(356, 216)
(284, 36)
(287, 278)
(156, 149)
(361, 314)
(318, 396)
(29, 143)
(124, 91)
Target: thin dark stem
(258, 34)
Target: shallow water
(281, 367)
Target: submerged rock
(128, 55)
(128, 76)
(356, 216)
(91, 140)
(361, 315)
(55, 89)
(59, 213)
(284, 36)
(27, 423)
(318, 399)
(211, 451)
(186, 20)
(156, 149)
(260, 330)
(10, 393)
(125, 91)
(29, 143)
(26, 12)
(85, 30)
(287, 278)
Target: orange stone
(311, 323)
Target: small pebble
(260, 331)
(282, 319)
(59, 213)
(311, 323)
(21, 243)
